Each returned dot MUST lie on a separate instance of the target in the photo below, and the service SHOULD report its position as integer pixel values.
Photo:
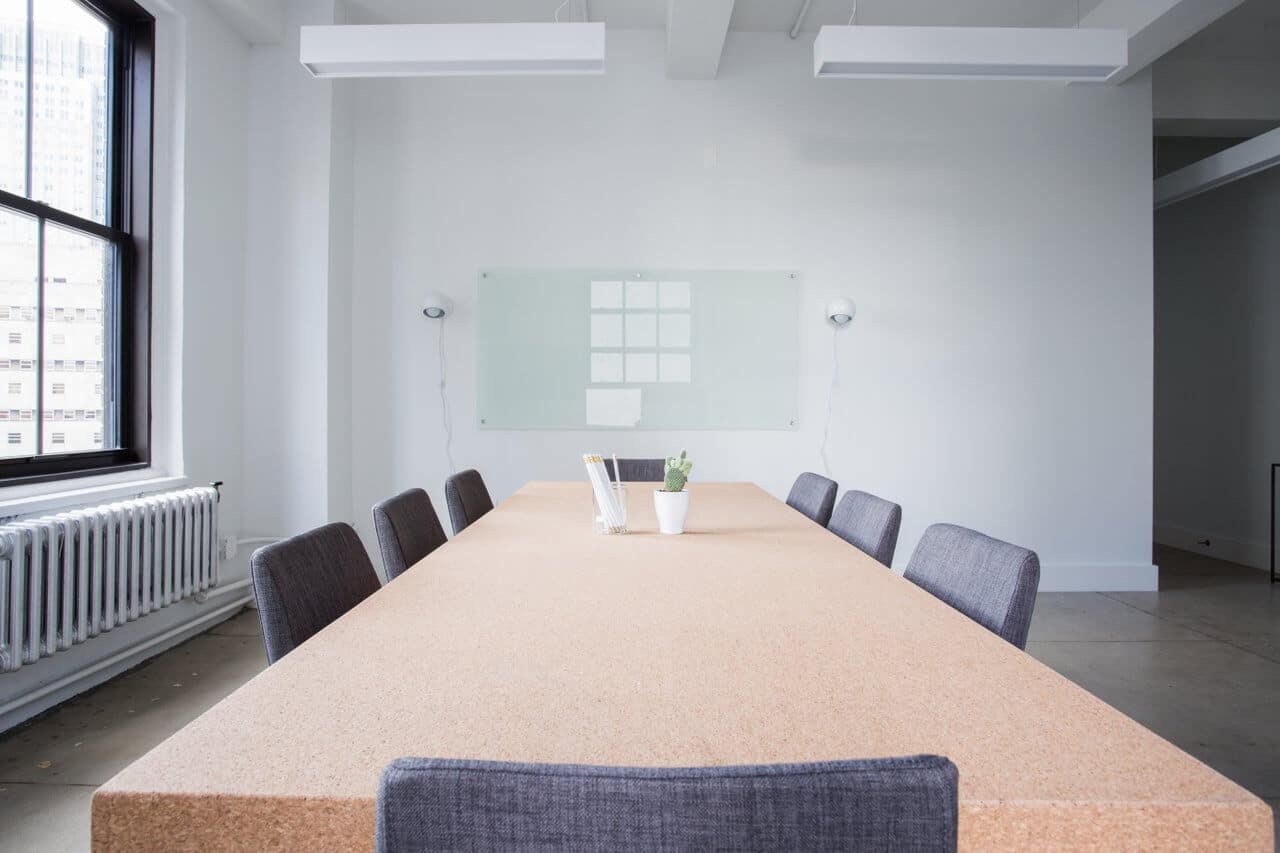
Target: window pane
(69, 109)
(13, 97)
(78, 269)
(18, 253)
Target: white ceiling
(748, 15)
(1252, 31)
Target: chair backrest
(467, 497)
(304, 583)
(815, 496)
(408, 530)
(639, 470)
(868, 523)
(876, 804)
(992, 582)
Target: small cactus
(677, 472)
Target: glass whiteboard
(637, 349)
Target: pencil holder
(598, 520)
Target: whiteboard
(618, 349)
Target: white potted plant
(671, 502)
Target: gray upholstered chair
(639, 470)
(992, 582)
(408, 530)
(813, 495)
(468, 499)
(868, 523)
(304, 583)
(877, 804)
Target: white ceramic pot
(672, 508)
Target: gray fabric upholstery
(878, 804)
(468, 499)
(813, 495)
(304, 583)
(992, 582)
(639, 470)
(868, 523)
(408, 530)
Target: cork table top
(756, 637)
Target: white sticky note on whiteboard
(675, 367)
(642, 330)
(642, 367)
(642, 294)
(606, 294)
(673, 294)
(674, 331)
(606, 367)
(614, 407)
(606, 331)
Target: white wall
(298, 252)
(996, 237)
(214, 175)
(1217, 363)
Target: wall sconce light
(841, 311)
(436, 305)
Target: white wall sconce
(436, 305)
(841, 311)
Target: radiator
(68, 577)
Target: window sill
(47, 497)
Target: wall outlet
(228, 546)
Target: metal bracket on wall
(1275, 466)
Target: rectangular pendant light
(970, 53)
(453, 50)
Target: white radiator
(68, 577)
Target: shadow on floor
(50, 766)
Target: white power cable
(559, 9)
(853, 16)
(831, 393)
(446, 416)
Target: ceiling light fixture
(970, 53)
(453, 50)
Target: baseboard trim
(55, 692)
(1253, 554)
(1099, 577)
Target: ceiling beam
(257, 21)
(1216, 98)
(1239, 161)
(696, 30)
(1155, 26)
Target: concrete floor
(1197, 662)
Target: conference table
(756, 637)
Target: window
(75, 222)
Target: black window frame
(129, 222)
